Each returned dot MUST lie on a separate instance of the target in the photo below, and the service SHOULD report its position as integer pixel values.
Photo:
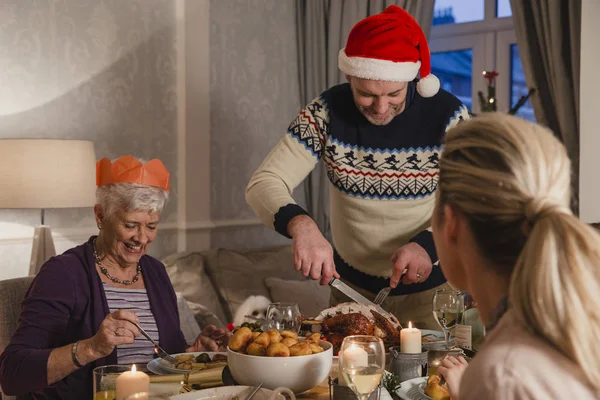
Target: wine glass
(361, 363)
(283, 316)
(448, 308)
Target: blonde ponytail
(511, 179)
(555, 290)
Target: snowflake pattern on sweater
(385, 174)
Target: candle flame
(133, 369)
(409, 325)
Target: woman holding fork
(83, 308)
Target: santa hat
(390, 46)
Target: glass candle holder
(105, 381)
(408, 365)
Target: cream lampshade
(46, 173)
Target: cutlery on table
(157, 349)
(253, 392)
(360, 299)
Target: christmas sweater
(382, 179)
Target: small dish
(170, 368)
(226, 393)
(409, 390)
(422, 387)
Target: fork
(382, 295)
(385, 292)
(157, 349)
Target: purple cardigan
(66, 303)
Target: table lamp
(46, 173)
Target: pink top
(513, 365)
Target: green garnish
(391, 383)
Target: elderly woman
(504, 231)
(80, 310)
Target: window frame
(490, 41)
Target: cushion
(188, 275)
(238, 275)
(187, 322)
(312, 298)
(12, 293)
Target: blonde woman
(504, 231)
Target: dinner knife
(360, 299)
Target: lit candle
(354, 357)
(410, 340)
(131, 382)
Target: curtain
(322, 29)
(549, 38)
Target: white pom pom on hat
(389, 46)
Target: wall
(254, 96)
(100, 70)
(206, 86)
(589, 189)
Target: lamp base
(42, 250)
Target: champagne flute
(361, 362)
(283, 316)
(448, 308)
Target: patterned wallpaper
(100, 70)
(254, 97)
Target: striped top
(141, 350)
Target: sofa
(216, 282)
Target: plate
(162, 367)
(156, 369)
(410, 389)
(166, 389)
(435, 339)
(226, 393)
(422, 387)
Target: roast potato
(240, 339)
(288, 341)
(256, 349)
(278, 350)
(315, 348)
(263, 339)
(315, 338)
(184, 357)
(301, 349)
(274, 335)
(289, 334)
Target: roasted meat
(385, 325)
(348, 324)
(337, 327)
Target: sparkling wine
(363, 380)
(447, 319)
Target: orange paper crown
(129, 169)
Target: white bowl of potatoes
(279, 359)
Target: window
(503, 9)
(457, 11)
(455, 72)
(472, 36)
(518, 87)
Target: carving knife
(360, 299)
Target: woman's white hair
(131, 197)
